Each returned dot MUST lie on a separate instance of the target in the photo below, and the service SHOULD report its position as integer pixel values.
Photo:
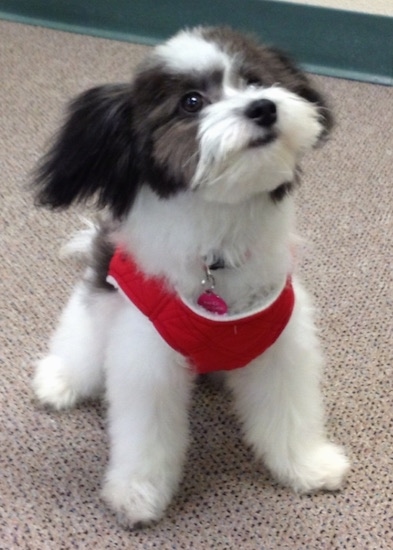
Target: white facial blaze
(189, 52)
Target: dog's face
(224, 116)
(210, 111)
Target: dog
(190, 269)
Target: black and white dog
(191, 270)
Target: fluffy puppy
(194, 162)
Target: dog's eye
(253, 82)
(192, 102)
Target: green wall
(326, 41)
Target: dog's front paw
(323, 467)
(52, 385)
(136, 502)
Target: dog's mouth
(261, 141)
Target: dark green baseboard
(325, 41)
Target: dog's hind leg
(73, 369)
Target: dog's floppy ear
(94, 154)
(308, 92)
(298, 82)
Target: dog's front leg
(73, 369)
(148, 389)
(279, 401)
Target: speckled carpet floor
(51, 464)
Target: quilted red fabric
(209, 344)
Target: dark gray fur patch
(286, 188)
(167, 136)
(281, 191)
(167, 141)
(102, 252)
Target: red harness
(210, 343)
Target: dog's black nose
(263, 112)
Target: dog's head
(209, 111)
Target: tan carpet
(51, 464)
